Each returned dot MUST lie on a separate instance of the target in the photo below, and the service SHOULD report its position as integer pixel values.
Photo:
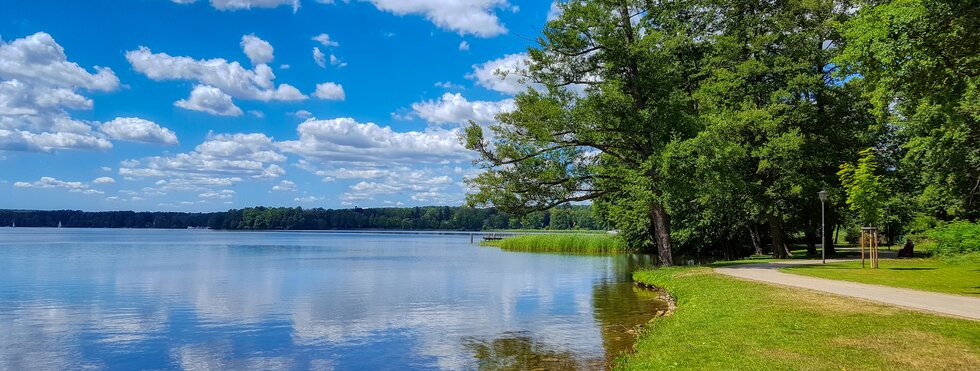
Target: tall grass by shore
(553, 231)
(562, 243)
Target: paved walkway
(946, 304)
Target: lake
(200, 300)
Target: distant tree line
(285, 218)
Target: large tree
(920, 62)
(615, 80)
(779, 121)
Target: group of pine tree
(707, 127)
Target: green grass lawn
(723, 323)
(798, 254)
(561, 243)
(931, 274)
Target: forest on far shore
(297, 218)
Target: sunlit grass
(954, 276)
(798, 254)
(723, 323)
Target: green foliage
(563, 243)
(852, 235)
(728, 116)
(865, 188)
(955, 238)
(778, 124)
(630, 75)
(921, 223)
(920, 66)
(718, 325)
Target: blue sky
(216, 104)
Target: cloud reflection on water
(214, 300)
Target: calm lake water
(196, 300)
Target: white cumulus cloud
(222, 194)
(475, 17)
(210, 99)
(258, 51)
(449, 85)
(334, 61)
(256, 147)
(345, 173)
(325, 40)
(134, 129)
(418, 184)
(50, 182)
(231, 78)
(505, 74)
(38, 59)
(245, 4)
(345, 139)
(284, 186)
(221, 160)
(308, 199)
(319, 57)
(330, 91)
(455, 109)
(38, 85)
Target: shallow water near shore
(198, 299)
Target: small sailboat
(59, 224)
(13, 224)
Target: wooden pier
(492, 236)
(497, 236)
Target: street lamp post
(823, 225)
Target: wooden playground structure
(869, 237)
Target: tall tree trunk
(779, 248)
(811, 241)
(633, 74)
(660, 233)
(756, 243)
(828, 233)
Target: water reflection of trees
(620, 307)
(624, 265)
(520, 351)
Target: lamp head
(823, 195)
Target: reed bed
(562, 243)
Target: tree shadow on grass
(911, 269)
(824, 267)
